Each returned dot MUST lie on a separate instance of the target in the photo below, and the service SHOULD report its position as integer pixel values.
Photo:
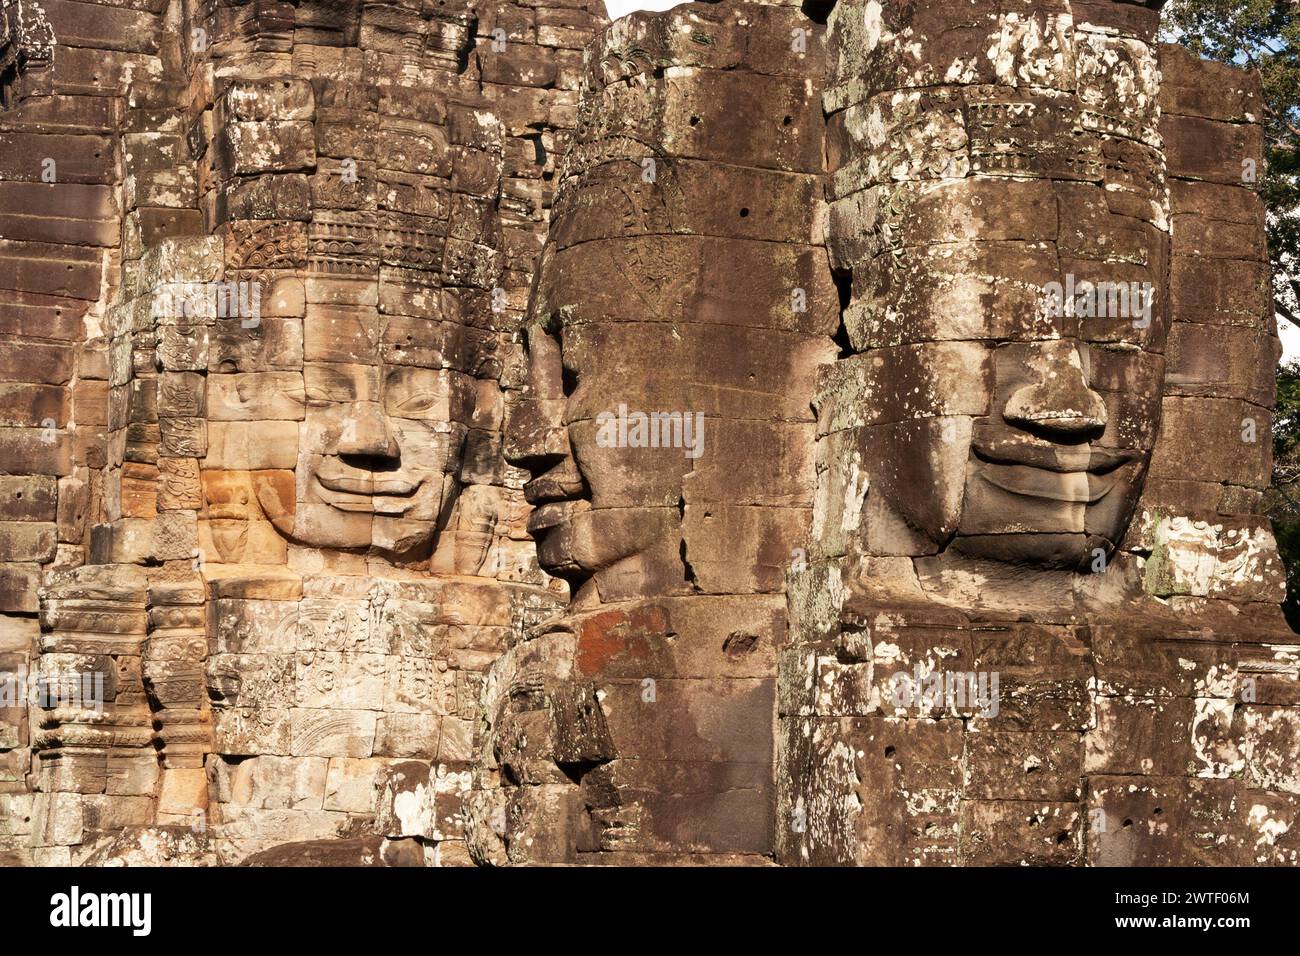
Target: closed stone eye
(415, 404)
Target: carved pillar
(174, 675)
(97, 765)
(992, 662)
(683, 277)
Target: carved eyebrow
(330, 385)
(408, 377)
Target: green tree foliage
(1286, 418)
(1283, 498)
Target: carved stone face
(1055, 469)
(378, 455)
(1007, 242)
(605, 511)
(667, 424)
(1047, 418)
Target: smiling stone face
(1003, 213)
(1055, 469)
(1032, 431)
(378, 451)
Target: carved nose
(536, 438)
(367, 439)
(1058, 404)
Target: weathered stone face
(637, 471)
(596, 512)
(1003, 212)
(379, 449)
(1034, 491)
(690, 231)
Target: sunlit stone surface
(438, 433)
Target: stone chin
(627, 552)
(1070, 552)
(575, 540)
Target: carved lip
(1074, 474)
(369, 487)
(1063, 459)
(390, 496)
(1073, 487)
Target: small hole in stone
(1062, 837)
(1157, 811)
(739, 644)
(787, 121)
(1127, 824)
(889, 751)
(744, 213)
(695, 121)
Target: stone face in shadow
(1032, 626)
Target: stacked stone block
(66, 69)
(341, 168)
(687, 226)
(1211, 465)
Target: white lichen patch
(1268, 828)
(1206, 559)
(1213, 747)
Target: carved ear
(276, 496)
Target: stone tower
(758, 432)
(264, 268)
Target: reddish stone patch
(605, 636)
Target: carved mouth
(1072, 474)
(370, 486)
(552, 514)
(387, 495)
(1058, 458)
